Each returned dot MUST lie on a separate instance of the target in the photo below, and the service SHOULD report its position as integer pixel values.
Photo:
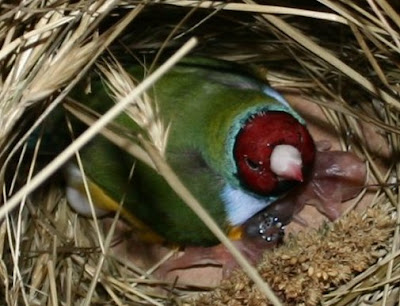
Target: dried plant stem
(329, 58)
(374, 63)
(83, 114)
(103, 43)
(367, 275)
(390, 11)
(259, 8)
(106, 244)
(95, 278)
(385, 23)
(53, 286)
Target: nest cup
(339, 60)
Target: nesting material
(312, 263)
(341, 55)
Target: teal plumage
(206, 103)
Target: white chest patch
(241, 206)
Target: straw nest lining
(341, 55)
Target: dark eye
(253, 165)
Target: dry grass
(342, 55)
(314, 262)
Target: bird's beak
(293, 172)
(286, 163)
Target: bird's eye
(253, 165)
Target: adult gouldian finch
(234, 142)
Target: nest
(341, 55)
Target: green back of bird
(205, 102)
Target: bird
(235, 142)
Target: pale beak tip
(294, 174)
(298, 175)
